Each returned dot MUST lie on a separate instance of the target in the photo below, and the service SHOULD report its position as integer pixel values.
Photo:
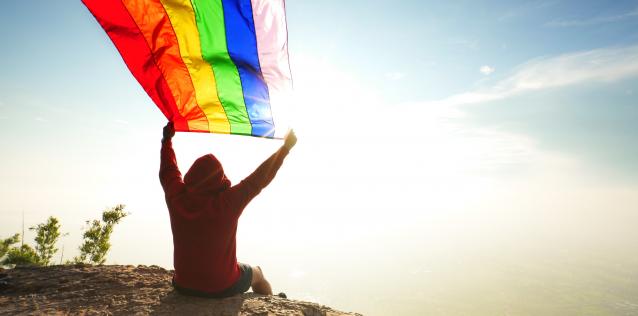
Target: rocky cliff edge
(126, 290)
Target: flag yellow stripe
(182, 18)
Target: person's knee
(259, 283)
(258, 275)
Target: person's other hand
(290, 140)
(169, 131)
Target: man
(204, 209)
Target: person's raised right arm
(241, 194)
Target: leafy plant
(93, 250)
(22, 255)
(96, 238)
(47, 235)
(6, 243)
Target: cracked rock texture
(127, 290)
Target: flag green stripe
(209, 16)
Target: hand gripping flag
(218, 66)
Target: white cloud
(486, 70)
(394, 76)
(598, 65)
(427, 63)
(471, 44)
(594, 20)
(433, 141)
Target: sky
(445, 148)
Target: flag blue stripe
(242, 48)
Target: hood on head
(206, 175)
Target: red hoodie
(204, 209)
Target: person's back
(204, 209)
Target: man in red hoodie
(204, 209)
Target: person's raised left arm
(170, 177)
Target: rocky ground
(126, 290)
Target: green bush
(47, 236)
(93, 250)
(96, 238)
(6, 243)
(21, 256)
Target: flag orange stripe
(155, 26)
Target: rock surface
(126, 290)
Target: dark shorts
(242, 285)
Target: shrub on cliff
(96, 238)
(47, 236)
(93, 250)
(21, 256)
(5, 244)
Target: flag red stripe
(129, 41)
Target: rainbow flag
(214, 66)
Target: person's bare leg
(260, 285)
